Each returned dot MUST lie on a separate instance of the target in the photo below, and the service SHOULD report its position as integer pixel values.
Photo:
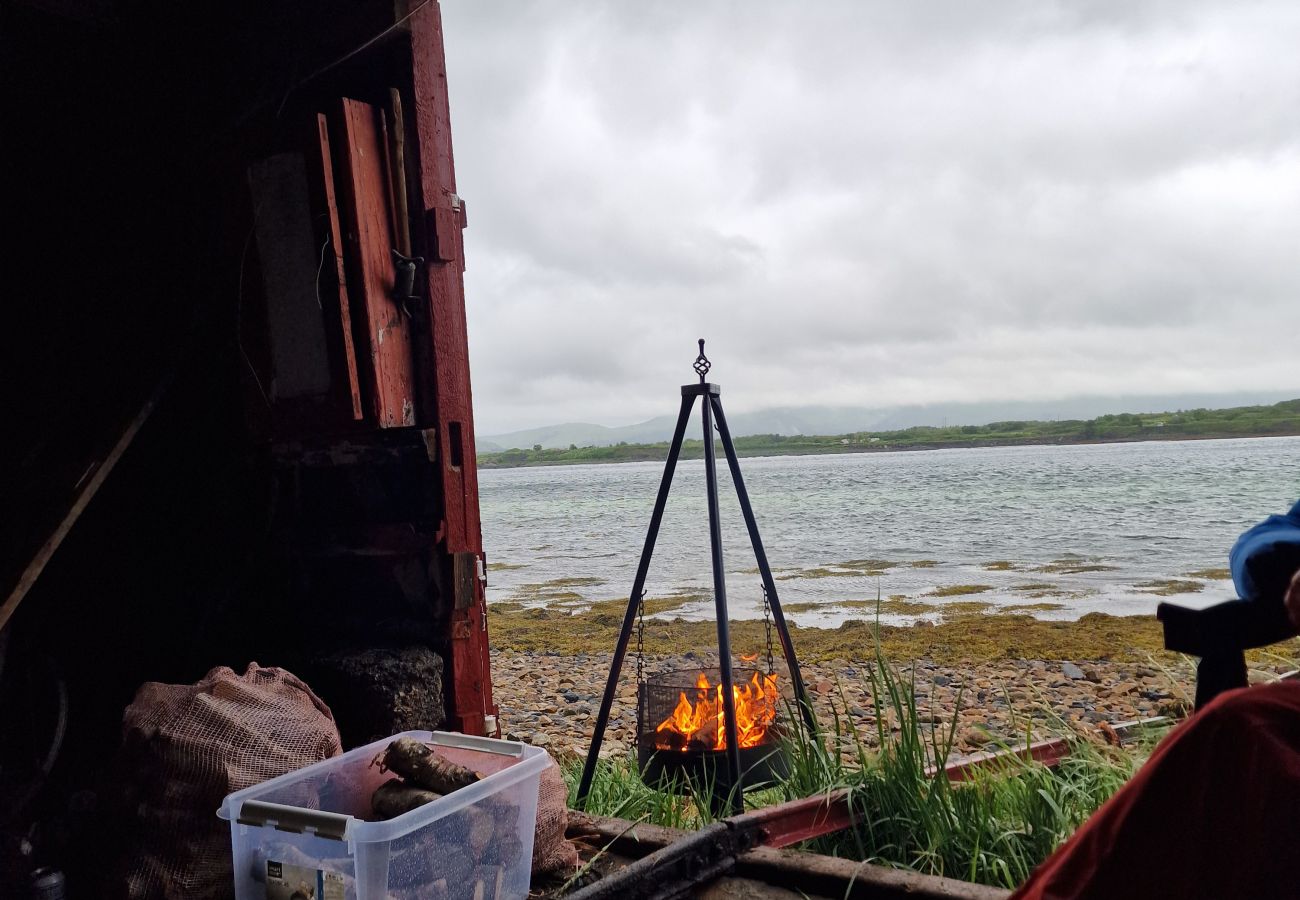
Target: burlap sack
(551, 851)
(185, 747)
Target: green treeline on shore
(1241, 421)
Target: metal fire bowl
(678, 769)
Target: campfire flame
(702, 723)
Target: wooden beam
(471, 703)
(101, 470)
(340, 273)
(808, 872)
(443, 216)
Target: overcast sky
(873, 204)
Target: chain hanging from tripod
(640, 640)
(767, 628)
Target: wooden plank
(809, 872)
(844, 878)
(336, 248)
(397, 165)
(471, 678)
(89, 488)
(371, 239)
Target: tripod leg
(634, 600)
(765, 570)
(724, 630)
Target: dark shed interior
(191, 476)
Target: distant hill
(1273, 420)
(828, 420)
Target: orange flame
(703, 722)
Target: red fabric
(1214, 813)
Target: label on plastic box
(286, 882)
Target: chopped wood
(418, 764)
(394, 797)
(482, 829)
(488, 882)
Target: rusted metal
(797, 821)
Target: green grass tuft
(993, 829)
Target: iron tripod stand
(711, 408)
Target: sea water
(1059, 531)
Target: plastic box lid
(504, 763)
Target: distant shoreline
(694, 449)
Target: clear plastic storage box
(305, 834)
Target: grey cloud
(893, 202)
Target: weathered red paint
(367, 189)
(470, 665)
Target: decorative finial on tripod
(702, 364)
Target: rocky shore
(552, 700)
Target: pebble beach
(552, 700)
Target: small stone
(942, 680)
(1071, 671)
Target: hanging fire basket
(681, 735)
(721, 726)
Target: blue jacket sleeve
(1265, 557)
